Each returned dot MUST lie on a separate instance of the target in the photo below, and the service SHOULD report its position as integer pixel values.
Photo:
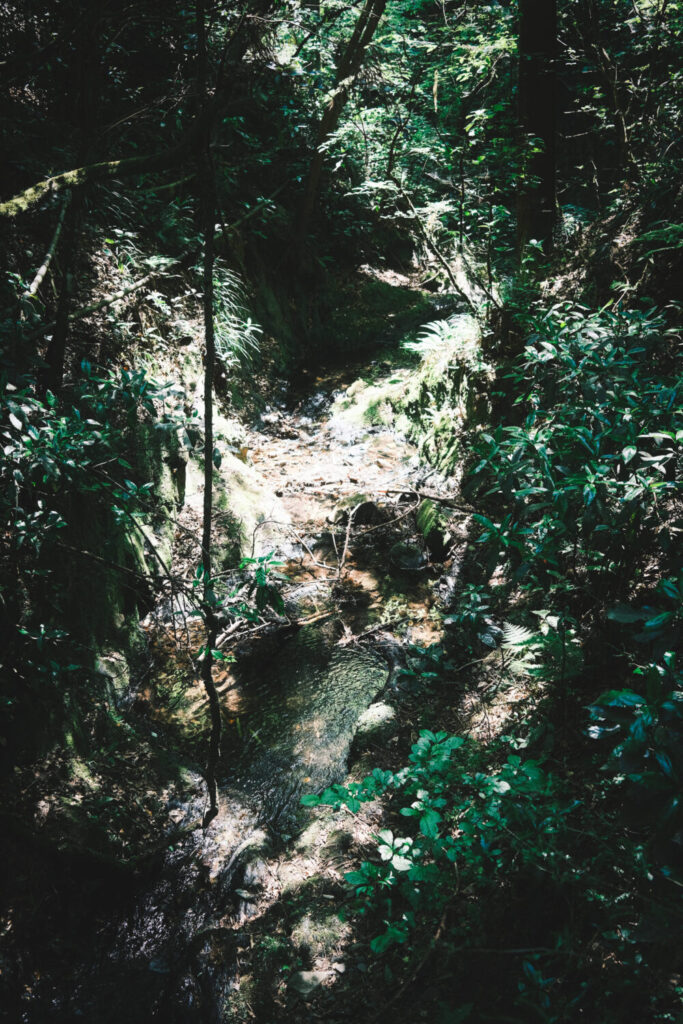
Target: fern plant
(237, 335)
(427, 517)
(523, 646)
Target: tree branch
(104, 171)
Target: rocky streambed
(238, 920)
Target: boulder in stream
(375, 725)
(367, 512)
(306, 982)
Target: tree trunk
(347, 70)
(537, 112)
(208, 208)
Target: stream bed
(292, 702)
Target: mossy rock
(407, 556)
(250, 517)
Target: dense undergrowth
(547, 854)
(553, 851)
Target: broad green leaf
(429, 823)
(400, 863)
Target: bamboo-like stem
(44, 267)
(208, 201)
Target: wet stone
(376, 724)
(367, 513)
(306, 982)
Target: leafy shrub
(417, 874)
(65, 473)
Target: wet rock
(367, 513)
(306, 982)
(256, 873)
(268, 419)
(375, 725)
(113, 668)
(408, 556)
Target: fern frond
(517, 636)
(427, 515)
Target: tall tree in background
(347, 70)
(207, 205)
(537, 111)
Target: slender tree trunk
(57, 348)
(85, 92)
(537, 111)
(208, 207)
(347, 70)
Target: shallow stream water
(292, 701)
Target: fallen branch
(377, 628)
(318, 617)
(103, 171)
(430, 496)
(391, 522)
(340, 565)
(43, 269)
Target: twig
(391, 522)
(340, 566)
(430, 244)
(318, 617)
(94, 307)
(370, 630)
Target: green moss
(318, 933)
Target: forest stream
(341, 504)
(357, 574)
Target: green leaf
(621, 699)
(622, 613)
(658, 620)
(429, 823)
(310, 800)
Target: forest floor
(243, 920)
